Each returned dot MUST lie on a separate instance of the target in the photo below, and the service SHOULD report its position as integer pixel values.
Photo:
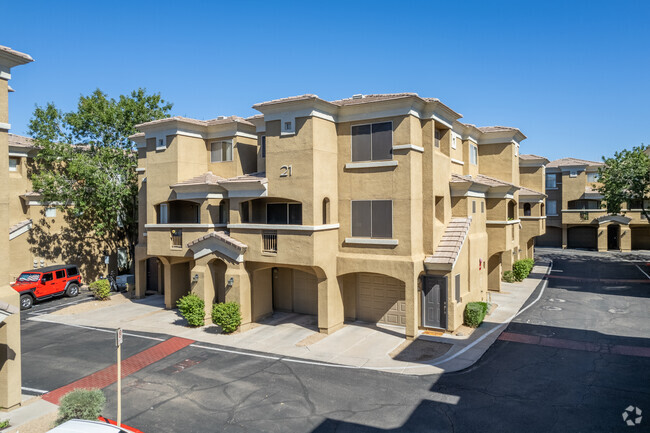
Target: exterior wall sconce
(195, 278)
(231, 281)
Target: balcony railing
(177, 238)
(270, 241)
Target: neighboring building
(39, 235)
(10, 356)
(380, 208)
(576, 217)
(531, 201)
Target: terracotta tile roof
(377, 97)
(530, 156)
(251, 177)
(527, 192)
(19, 225)
(204, 179)
(304, 97)
(490, 181)
(451, 242)
(21, 141)
(223, 236)
(458, 178)
(217, 121)
(572, 162)
(496, 128)
(23, 56)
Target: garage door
(305, 293)
(640, 238)
(582, 237)
(552, 238)
(380, 300)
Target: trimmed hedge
(226, 315)
(101, 289)
(509, 277)
(521, 268)
(192, 308)
(81, 404)
(475, 313)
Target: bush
(226, 315)
(193, 309)
(509, 277)
(81, 404)
(475, 313)
(521, 268)
(4, 423)
(101, 289)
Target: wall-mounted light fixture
(195, 278)
(231, 281)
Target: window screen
(163, 213)
(361, 218)
(473, 206)
(482, 207)
(263, 146)
(372, 218)
(437, 138)
(551, 207)
(473, 156)
(372, 142)
(457, 287)
(13, 164)
(221, 151)
(550, 181)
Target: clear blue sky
(574, 76)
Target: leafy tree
(625, 178)
(86, 163)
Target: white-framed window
(573, 173)
(372, 141)
(372, 219)
(287, 126)
(160, 143)
(50, 212)
(163, 214)
(592, 177)
(473, 154)
(453, 141)
(473, 206)
(221, 151)
(437, 136)
(551, 207)
(263, 146)
(13, 163)
(551, 181)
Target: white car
(85, 426)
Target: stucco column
(239, 291)
(412, 306)
(625, 241)
(507, 259)
(140, 278)
(203, 287)
(564, 236)
(10, 369)
(167, 281)
(330, 303)
(602, 237)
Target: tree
(85, 165)
(625, 178)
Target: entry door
(434, 301)
(612, 237)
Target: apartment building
(380, 208)
(576, 218)
(10, 371)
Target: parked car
(85, 426)
(44, 283)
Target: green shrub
(101, 289)
(521, 268)
(193, 309)
(226, 315)
(509, 277)
(4, 423)
(81, 404)
(475, 313)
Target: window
(551, 181)
(457, 287)
(50, 212)
(13, 164)
(437, 137)
(326, 210)
(284, 213)
(224, 208)
(373, 142)
(47, 277)
(60, 274)
(287, 126)
(473, 206)
(163, 213)
(551, 207)
(245, 212)
(473, 154)
(160, 144)
(453, 142)
(573, 173)
(72, 271)
(526, 209)
(482, 207)
(592, 177)
(263, 146)
(372, 218)
(221, 151)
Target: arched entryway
(613, 237)
(217, 268)
(494, 272)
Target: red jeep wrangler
(44, 283)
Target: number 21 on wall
(285, 171)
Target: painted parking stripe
(602, 280)
(133, 364)
(644, 273)
(34, 390)
(561, 343)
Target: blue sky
(572, 75)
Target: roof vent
(221, 117)
(358, 96)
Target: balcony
(172, 239)
(532, 226)
(581, 216)
(501, 235)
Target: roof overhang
(509, 136)
(212, 243)
(613, 219)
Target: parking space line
(38, 391)
(91, 328)
(644, 273)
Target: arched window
(326, 210)
(526, 209)
(511, 210)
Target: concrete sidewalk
(356, 345)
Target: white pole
(119, 384)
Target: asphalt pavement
(573, 361)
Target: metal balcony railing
(270, 241)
